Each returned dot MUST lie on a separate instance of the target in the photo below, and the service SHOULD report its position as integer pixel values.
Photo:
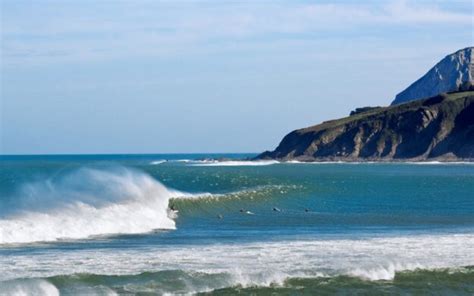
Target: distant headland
(433, 119)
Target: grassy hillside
(441, 127)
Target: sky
(206, 76)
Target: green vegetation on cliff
(441, 127)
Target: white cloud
(159, 29)
(403, 11)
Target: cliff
(453, 73)
(438, 128)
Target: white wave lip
(236, 163)
(261, 263)
(85, 203)
(442, 162)
(29, 287)
(176, 194)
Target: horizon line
(99, 154)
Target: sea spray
(24, 287)
(86, 202)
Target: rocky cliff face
(453, 73)
(441, 127)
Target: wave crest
(84, 203)
(29, 287)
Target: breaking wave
(25, 287)
(92, 202)
(424, 281)
(235, 163)
(86, 202)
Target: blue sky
(206, 76)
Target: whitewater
(158, 224)
(85, 203)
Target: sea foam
(29, 287)
(86, 202)
(261, 263)
(235, 163)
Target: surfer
(275, 209)
(172, 212)
(246, 212)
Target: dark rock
(441, 127)
(363, 110)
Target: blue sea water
(102, 225)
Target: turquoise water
(102, 225)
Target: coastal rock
(441, 127)
(453, 73)
(363, 109)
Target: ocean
(185, 224)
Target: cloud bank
(71, 31)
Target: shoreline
(395, 161)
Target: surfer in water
(172, 212)
(246, 212)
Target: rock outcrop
(438, 128)
(453, 73)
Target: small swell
(424, 281)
